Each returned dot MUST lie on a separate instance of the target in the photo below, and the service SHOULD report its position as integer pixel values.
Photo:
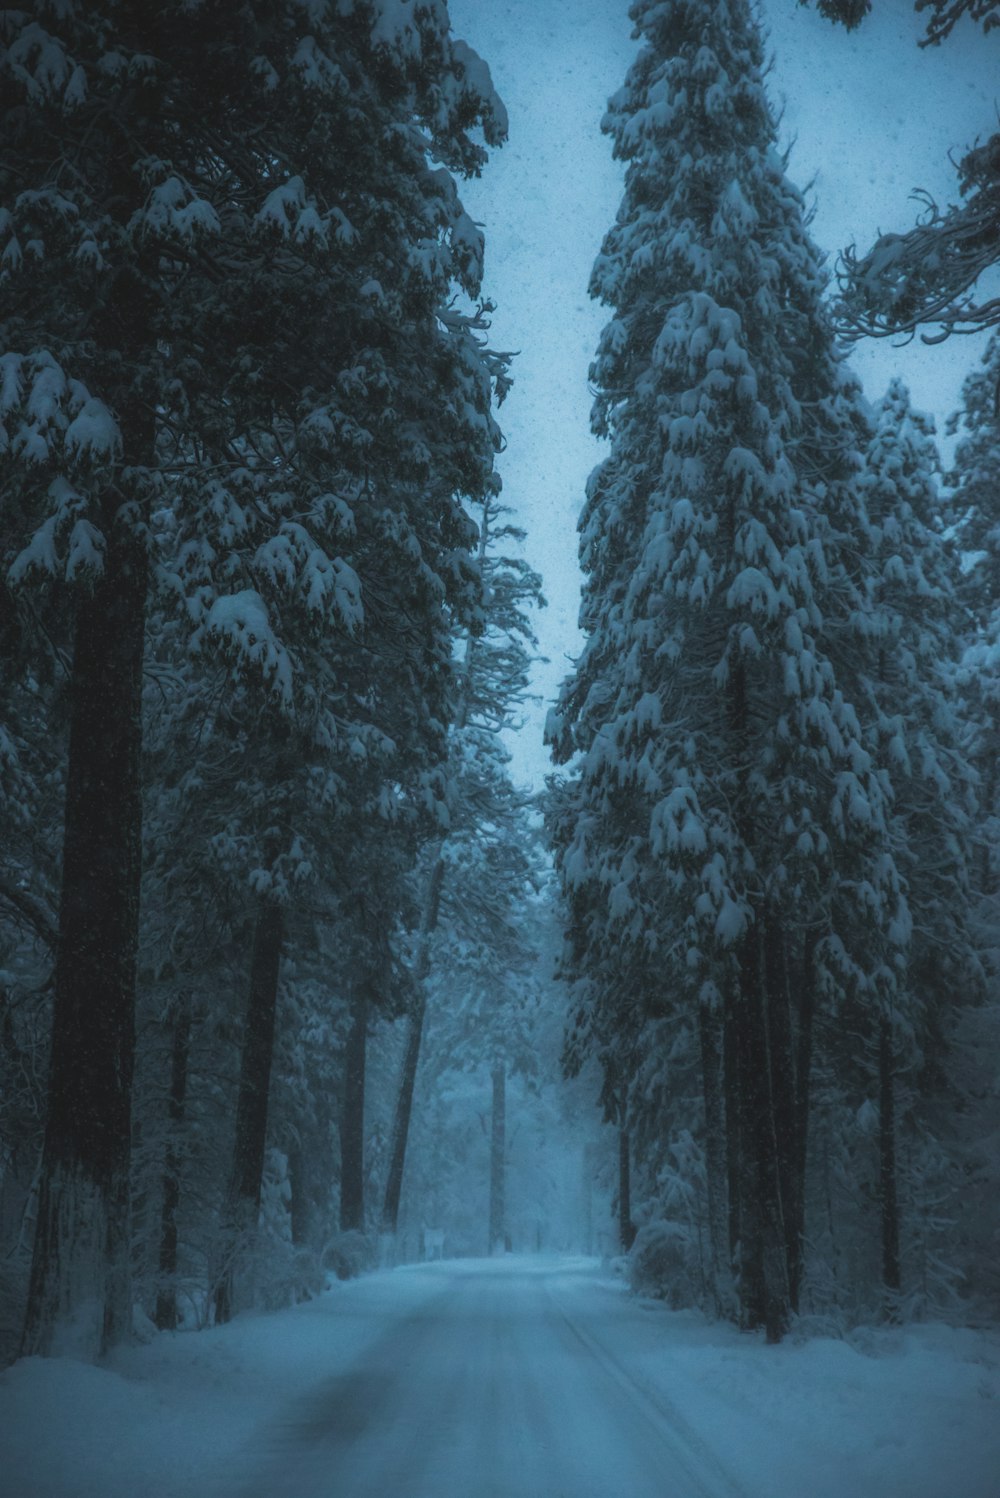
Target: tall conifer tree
(724, 772)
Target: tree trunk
(888, 1198)
(763, 1266)
(243, 1195)
(300, 1213)
(166, 1296)
(401, 1117)
(411, 1056)
(626, 1227)
(795, 1207)
(710, 1036)
(587, 1198)
(498, 1162)
(80, 1265)
(734, 1152)
(782, 1079)
(352, 1123)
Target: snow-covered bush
(664, 1263)
(349, 1254)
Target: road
(505, 1383)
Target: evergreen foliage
(762, 712)
(234, 367)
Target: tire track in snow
(494, 1388)
(687, 1448)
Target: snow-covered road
(510, 1382)
(519, 1378)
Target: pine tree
(918, 724)
(483, 975)
(491, 683)
(724, 772)
(975, 481)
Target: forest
(296, 979)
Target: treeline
(778, 851)
(261, 621)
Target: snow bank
(912, 1412)
(173, 1418)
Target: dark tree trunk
(710, 1036)
(352, 1123)
(411, 1056)
(888, 1198)
(498, 1162)
(782, 1079)
(626, 1227)
(401, 1117)
(166, 1297)
(587, 1197)
(243, 1194)
(795, 1207)
(763, 1266)
(80, 1263)
(300, 1204)
(734, 1153)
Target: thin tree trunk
(411, 1056)
(626, 1227)
(889, 1201)
(401, 1117)
(80, 1262)
(782, 1084)
(352, 1123)
(247, 1172)
(498, 1162)
(795, 1222)
(587, 1198)
(710, 1036)
(166, 1296)
(300, 1200)
(751, 1248)
(734, 1152)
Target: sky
(869, 115)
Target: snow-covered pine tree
(218, 315)
(484, 981)
(491, 684)
(723, 769)
(975, 482)
(914, 694)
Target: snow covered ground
(507, 1380)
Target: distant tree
(491, 684)
(484, 973)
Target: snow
(511, 1378)
(242, 620)
(93, 431)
